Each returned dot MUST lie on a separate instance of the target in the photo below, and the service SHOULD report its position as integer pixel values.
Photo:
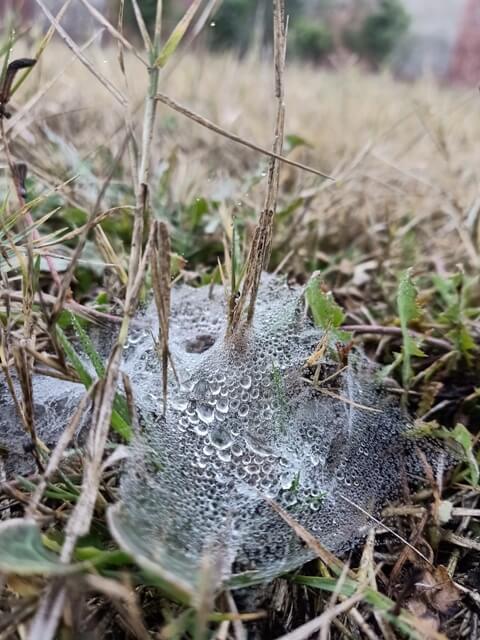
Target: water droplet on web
(222, 405)
(246, 381)
(206, 413)
(243, 410)
(215, 388)
(252, 469)
(201, 429)
(224, 455)
(237, 449)
(220, 438)
(178, 403)
(289, 499)
(183, 424)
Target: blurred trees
(311, 40)
(371, 28)
(380, 32)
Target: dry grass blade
(324, 554)
(261, 245)
(19, 116)
(195, 117)
(374, 329)
(336, 595)
(324, 620)
(150, 110)
(47, 300)
(160, 265)
(209, 580)
(124, 600)
(112, 31)
(104, 81)
(147, 41)
(256, 260)
(22, 366)
(384, 526)
(44, 43)
(18, 172)
(4, 359)
(327, 557)
(92, 221)
(336, 396)
(239, 628)
(46, 620)
(48, 613)
(109, 254)
(461, 541)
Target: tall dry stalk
(160, 268)
(262, 238)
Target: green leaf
(120, 422)
(454, 293)
(177, 35)
(74, 359)
(286, 213)
(292, 141)
(408, 310)
(196, 211)
(464, 438)
(23, 553)
(327, 314)
(463, 340)
(88, 346)
(102, 558)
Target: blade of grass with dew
(119, 423)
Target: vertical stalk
(150, 103)
(147, 136)
(262, 238)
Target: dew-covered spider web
(245, 422)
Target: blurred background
(381, 94)
(413, 37)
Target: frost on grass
(245, 424)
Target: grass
(395, 237)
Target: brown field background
(405, 155)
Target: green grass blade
(120, 422)
(177, 34)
